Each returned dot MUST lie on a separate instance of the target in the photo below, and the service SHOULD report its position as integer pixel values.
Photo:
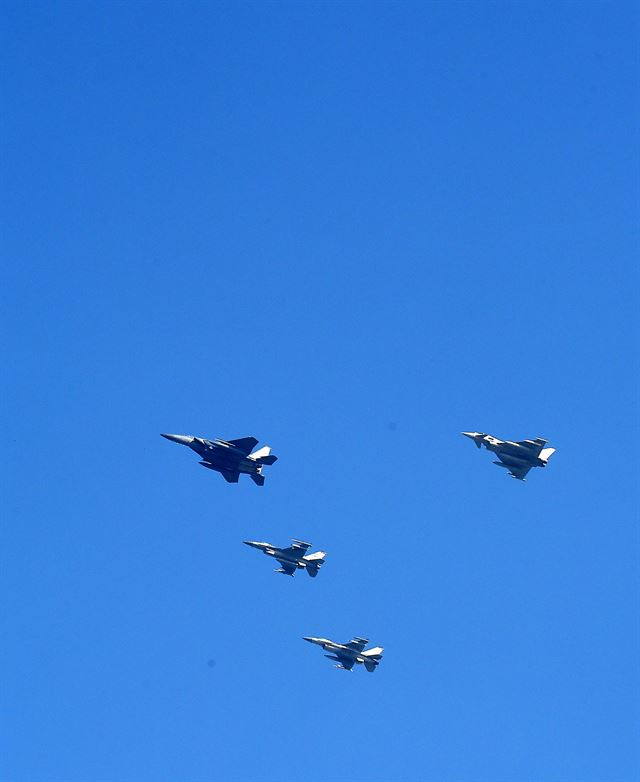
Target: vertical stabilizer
(546, 454)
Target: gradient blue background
(351, 230)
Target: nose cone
(183, 439)
(475, 436)
(252, 543)
(318, 641)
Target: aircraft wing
(244, 444)
(357, 644)
(230, 476)
(519, 472)
(347, 663)
(298, 549)
(533, 446)
(288, 567)
(517, 467)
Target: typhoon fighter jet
(229, 457)
(293, 557)
(349, 654)
(516, 457)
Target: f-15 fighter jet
(293, 557)
(518, 457)
(347, 655)
(229, 457)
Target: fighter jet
(293, 557)
(229, 457)
(518, 458)
(347, 655)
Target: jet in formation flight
(347, 655)
(293, 557)
(229, 457)
(518, 458)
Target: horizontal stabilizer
(546, 454)
(258, 479)
(263, 456)
(314, 563)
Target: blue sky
(353, 231)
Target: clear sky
(352, 230)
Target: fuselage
(348, 654)
(510, 452)
(340, 650)
(280, 554)
(224, 456)
(513, 453)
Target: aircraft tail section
(546, 454)
(315, 562)
(263, 456)
(372, 658)
(258, 479)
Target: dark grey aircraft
(349, 654)
(293, 557)
(517, 457)
(229, 457)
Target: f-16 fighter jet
(347, 655)
(293, 557)
(518, 457)
(229, 457)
